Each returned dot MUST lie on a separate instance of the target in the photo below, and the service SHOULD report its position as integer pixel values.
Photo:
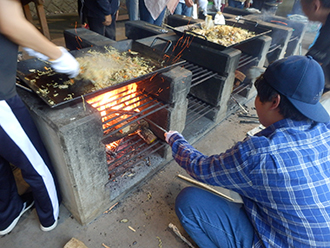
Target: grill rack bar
(197, 109)
(240, 88)
(147, 104)
(199, 74)
(274, 47)
(145, 151)
(130, 121)
(292, 38)
(246, 59)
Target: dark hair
(266, 93)
(325, 3)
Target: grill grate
(131, 151)
(197, 109)
(246, 59)
(120, 111)
(199, 74)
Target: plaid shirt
(283, 176)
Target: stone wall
(55, 7)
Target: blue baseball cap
(301, 80)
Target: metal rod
(240, 105)
(137, 119)
(273, 49)
(23, 87)
(153, 123)
(138, 155)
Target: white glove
(169, 134)
(33, 53)
(66, 64)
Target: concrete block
(72, 135)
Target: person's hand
(108, 20)
(169, 134)
(66, 64)
(189, 3)
(33, 53)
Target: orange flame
(110, 100)
(123, 99)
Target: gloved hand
(169, 134)
(33, 53)
(66, 64)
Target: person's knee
(187, 195)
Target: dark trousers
(96, 25)
(146, 16)
(20, 145)
(235, 4)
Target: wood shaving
(160, 243)
(132, 228)
(107, 211)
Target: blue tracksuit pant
(20, 145)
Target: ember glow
(116, 105)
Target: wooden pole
(203, 185)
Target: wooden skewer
(203, 185)
(177, 232)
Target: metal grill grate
(199, 74)
(120, 112)
(131, 151)
(197, 109)
(246, 59)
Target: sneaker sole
(47, 229)
(13, 224)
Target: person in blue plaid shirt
(282, 173)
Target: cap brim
(314, 112)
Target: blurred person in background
(133, 9)
(184, 7)
(101, 16)
(319, 11)
(240, 4)
(219, 5)
(153, 11)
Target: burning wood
(147, 135)
(127, 130)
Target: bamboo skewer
(203, 185)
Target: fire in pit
(127, 136)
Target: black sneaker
(26, 206)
